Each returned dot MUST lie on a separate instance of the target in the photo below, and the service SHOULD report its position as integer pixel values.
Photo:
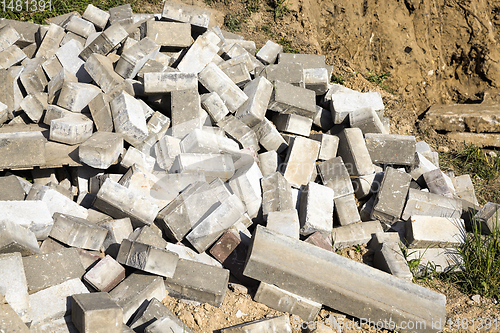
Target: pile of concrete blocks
(167, 155)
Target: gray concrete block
(212, 165)
(209, 229)
(380, 238)
(300, 161)
(9, 320)
(97, 16)
(71, 130)
(101, 150)
(215, 107)
(316, 209)
(329, 145)
(133, 58)
(285, 222)
(166, 149)
(239, 131)
(11, 189)
(105, 42)
(269, 52)
(268, 162)
(439, 183)
(276, 194)
(488, 217)
(245, 183)
(56, 83)
(287, 98)
(197, 17)
(432, 231)
(214, 79)
(11, 56)
(441, 260)
(186, 112)
(284, 301)
(51, 41)
(117, 231)
(391, 148)
(238, 72)
(269, 137)
(8, 36)
(15, 238)
(344, 101)
(75, 96)
(131, 293)
(69, 60)
(137, 157)
(253, 111)
(292, 123)
(105, 275)
(13, 285)
(155, 83)
(26, 31)
(354, 152)
(320, 240)
(198, 282)
(32, 77)
(10, 94)
(411, 303)
(272, 325)
(200, 53)
(33, 215)
(187, 253)
(121, 15)
(390, 259)
(121, 202)
(156, 312)
(356, 233)
(31, 144)
(59, 203)
(148, 236)
(287, 72)
(173, 35)
(430, 204)
(422, 165)
(147, 258)
(367, 120)
(35, 105)
(52, 303)
(52, 67)
(101, 69)
(96, 312)
(77, 232)
(317, 80)
(129, 119)
(346, 210)
(391, 197)
(334, 174)
(80, 26)
(234, 50)
(323, 118)
(199, 141)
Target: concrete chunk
(287, 98)
(214, 79)
(52, 303)
(71, 130)
(391, 148)
(120, 202)
(430, 204)
(128, 118)
(134, 290)
(105, 275)
(147, 258)
(197, 17)
(33, 215)
(316, 209)
(15, 238)
(96, 312)
(13, 285)
(253, 111)
(97, 16)
(198, 282)
(77, 232)
(431, 231)
(212, 165)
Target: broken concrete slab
(477, 118)
(271, 325)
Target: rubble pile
(167, 155)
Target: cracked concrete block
(134, 290)
(97, 16)
(316, 209)
(197, 17)
(71, 130)
(101, 150)
(96, 312)
(253, 111)
(77, 232)
(354, 152)
(105, 42)
(391, 197)
(147, 258)
(433, 231)
(198, 282)
(128, 118)
(16, 238)
(75, 96)
(212, 165)
(52, 303)
(121, 202)
(269, 52)
(300, 161)
(14, 286)
(287, 98)
(214, 79)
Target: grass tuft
(287, 46)
(233, 23)
(337, 79)
(379, 79)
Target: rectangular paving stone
(155, 312)
(316, 209)
(334, 174)
(13, 285)
(253, 111)
(101, 69)
(300, 161)
(269, 137)
(133, 58)
(77, 232)
(105, 41)
(96, 312)
(212, 165)
(9, 320)
(439, 183)
(200, 53)
(389, 258)
(430, 204)
(433, 231)
(287, 98)
(128, 118)
(276, 194)
(391, 148)
(271, 325)
(16, 238)
(197, 17)
(488, 217)
(285, 222)
(346, 211)
(354, 152)
(292, 123)
(97, 16)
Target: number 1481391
(26, 5)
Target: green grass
(280, 9)
(379, 80)
(287, 46)
(481, 255)
(233, 22)
(337, 79)
(60, 7)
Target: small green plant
(252, 6)
(287, 46)
(337, 79)
(417, 269)
(267, 30)
(357, 248)
(232, 22)
(475, 161)
(379, 79)
(280, 9)
(481, 262)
